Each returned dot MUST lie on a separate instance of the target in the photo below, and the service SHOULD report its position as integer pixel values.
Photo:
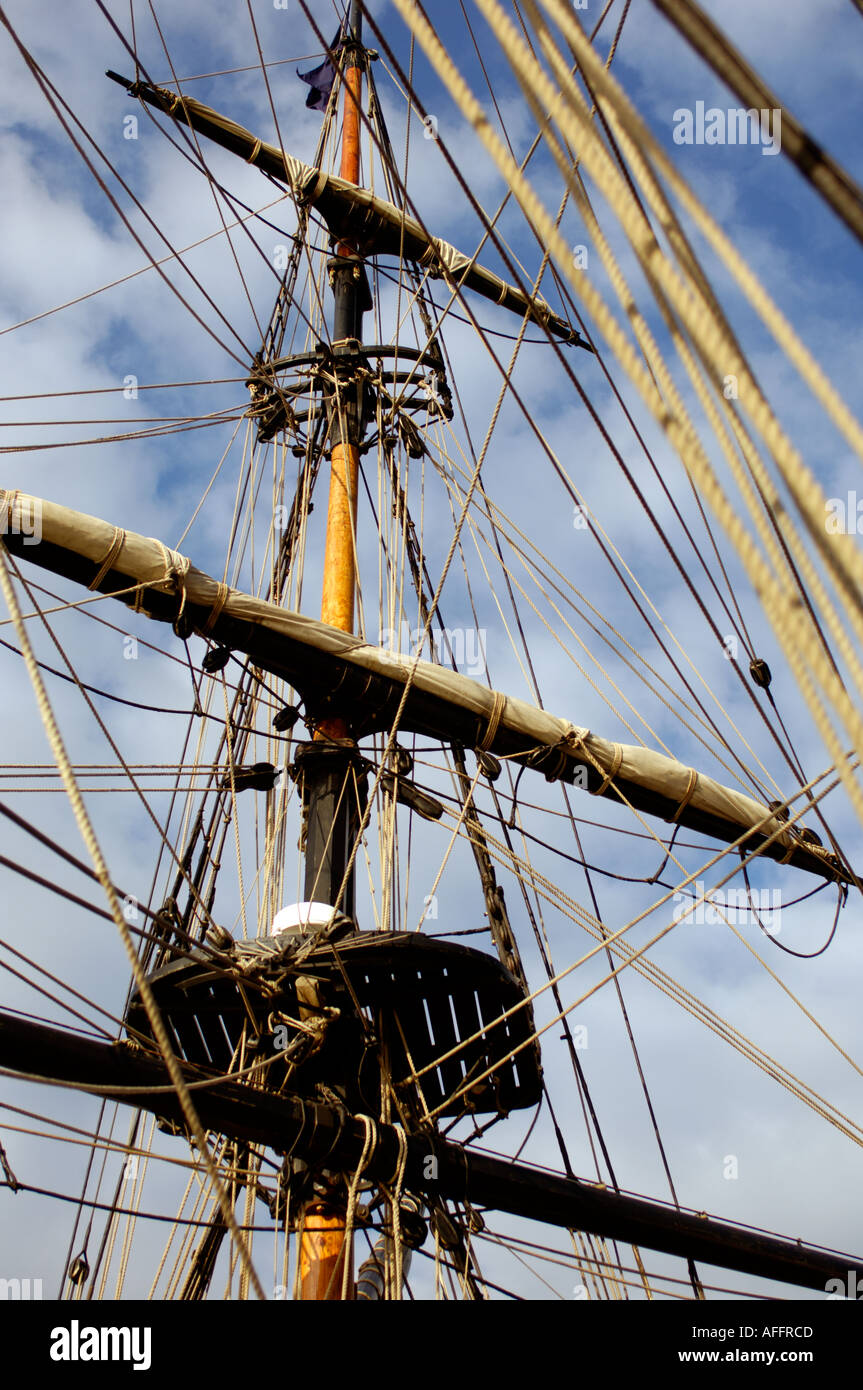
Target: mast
(337, 606)
(330, 766)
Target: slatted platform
(421, 997)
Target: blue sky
(63, 240)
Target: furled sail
(322, 662)
(374, 225)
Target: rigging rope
(82, 818)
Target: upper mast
(332, 779)
(337, 607)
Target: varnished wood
(322, 1254)
(337, 605)
(350, 168)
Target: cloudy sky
(64, 240)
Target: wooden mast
(337, 606)
(323, 1248)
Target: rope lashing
(615, 768)
(117, 543)
(215, 611)
(493, 721)
(176, 569)
(12, 505)
(310, 185)
(687, 795)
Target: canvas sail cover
(324, 663)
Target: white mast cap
(301, 916)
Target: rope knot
(174, 579)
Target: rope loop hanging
(397, 1223)
(370, 1143)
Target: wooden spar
(323, 1135)
(324, 1243)
(327, 665)
(372, 686)
(351, 211)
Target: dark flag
(321, 79)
